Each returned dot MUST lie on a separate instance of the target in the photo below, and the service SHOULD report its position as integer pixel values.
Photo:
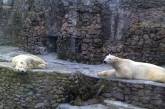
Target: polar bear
(129, 69)
(26, 62)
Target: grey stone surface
(86, 31)
(136, 92)
(5, 13)
(37, 90)
(96, 106)
(128, 28)
(119, 105)
(146, 94)
(55, 64)
(108, 104)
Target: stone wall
(81, 36)
(42, 89)
(87, 30)
(5, 13)
(34, 33)
(145, 94)
(39, 20)
(138, 31)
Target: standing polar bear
(126, 68)
(26, 62)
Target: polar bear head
(110, 59)
(21, 66)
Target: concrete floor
(54, 64)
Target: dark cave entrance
(75, 45)
(52, 43)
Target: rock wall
(42, 89)
(81, 36)
(129, 29)
(137, 33)
(145, 94)
(87, 30)
(34, 33)
(5, 13)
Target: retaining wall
(43, 89)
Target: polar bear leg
(42, 66)
(14, 62)
(107, 73)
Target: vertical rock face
(5, 12)
(81, 37)
(40, 90)
(41, 20)
(87, 30)
(34, 35)
(136, 30)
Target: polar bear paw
(106, 74)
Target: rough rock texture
(145, 94)
(36, 90)
(34, 33)
(138, 30)
(86, 30)
(81, 37)
(5, 13)
(39, 89)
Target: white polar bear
(26, 62)
(126, 68)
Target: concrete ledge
(146, 94)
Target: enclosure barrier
(40, 89)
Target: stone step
(120, 105)
(108, 104)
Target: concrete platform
(54, 64)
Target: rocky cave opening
(52, 43)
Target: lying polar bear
(126, 68)
(26, 62)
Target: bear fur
(129, 69)
(26, 62)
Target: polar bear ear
(108, 56)
(112, 56)
(117, 59)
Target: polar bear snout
(21, 67)
(107, 60)
(104, 62)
